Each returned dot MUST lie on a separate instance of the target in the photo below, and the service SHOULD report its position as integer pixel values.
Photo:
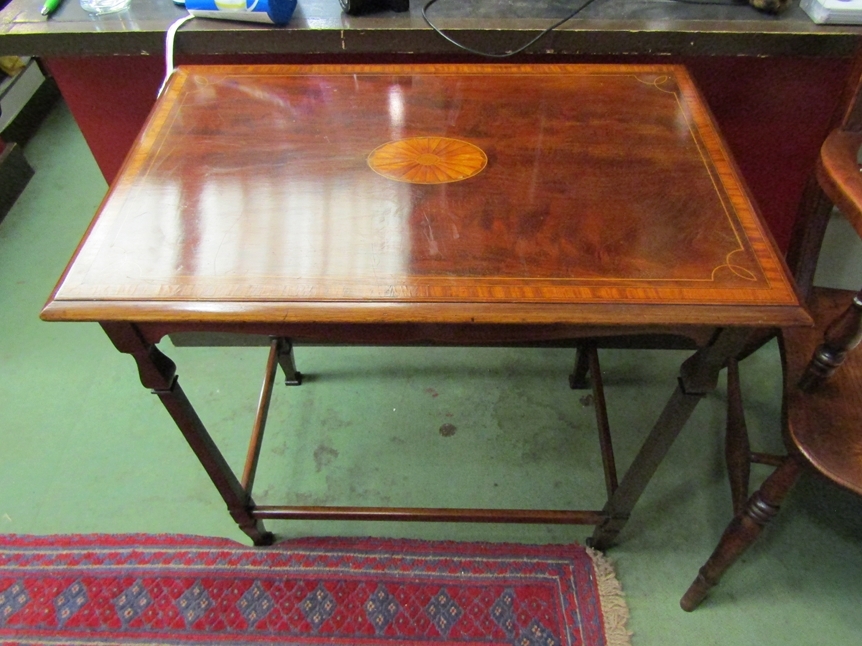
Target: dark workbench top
(606, 27)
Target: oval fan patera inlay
(427, 160)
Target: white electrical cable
(169, 49)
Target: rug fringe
(614, 608)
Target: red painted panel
(110, 98)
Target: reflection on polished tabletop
(495, 194)
(471, 204)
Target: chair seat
(825, 424)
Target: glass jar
(100, 7)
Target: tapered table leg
(737, 449)
(292, 376)
(698, 376)
(578, 378)
(158, 373)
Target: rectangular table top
(591, 194)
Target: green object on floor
(85, 448)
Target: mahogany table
(436, 204)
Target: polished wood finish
(158, 373)
(698, 376)
(428, 160)
(822, 378)
(818, 201)
(842, 335)
(579, 377)
(838, 171)
(261, 414)
(820, 195)
(600, 406)
(292, 376)
(260, 185)
(823, 424)
(838, 175)
(605, 205)
(737, 450)
(822, 430)
(743, 530)
(424, 514)
(758, 73)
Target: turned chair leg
(743, 530)
(842, 335)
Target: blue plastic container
(270, 12)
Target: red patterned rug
(148, 589)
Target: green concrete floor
(84, 448)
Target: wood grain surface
(823, 424)
(608, 198)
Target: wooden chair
(822, 398)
